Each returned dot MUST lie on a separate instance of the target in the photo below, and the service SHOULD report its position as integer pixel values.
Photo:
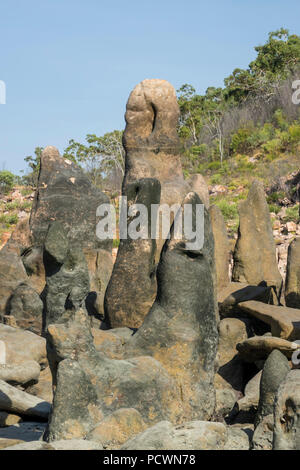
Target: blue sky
(69, 65)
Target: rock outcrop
(287, 413)
(180, 331)
(132, 287)
(65, 195)
(292, 282)
(284, 321)
(151, 152)
(89, 386)
(274, 372)
(67, 276)
(255, 254)
(221, 247)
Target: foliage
(102, 157)
(7, 180)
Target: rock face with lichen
(151, 152)
(169, 364)
(255, 253)
(180, 331)
(89, 386)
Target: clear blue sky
(69, 65)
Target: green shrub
(228, 210)
(239, 140)
(274, 208)
(294, 132)
(275, 197)
(216, 179)
(215, 165)
(8, 219)
(7, 180)
(292, 214)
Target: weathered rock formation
(89, 386)
(274, 372)
(67, 276)
(259, 347)
(198, 185)
(180, 331)
(284, 321)
(287, 413)
(255, 254)
(151, 151)
(292, 282)
(132, 287)
(221, 247)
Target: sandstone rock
(229, 380)
(255, 254)
(180, 331)
(72, 444)
(132, 287)
(259, 347)
(263, 434)
(26, 307)
(237, 439)
(43, 389)
(117, 428)
(22, 346)
(65, 194)
(249, 402)
(198, 185)
(20, 374)
(195, 435)
(90, 386)
(284, 321)
(287, 413)
(221, 247)
(151, 141)
(292, 283)
(230, 297)
(109, 343)
(291, 227)
(16, 401)
(151, 152)
(274, 372)
(8, 419)
(12, 273)
(67, 278)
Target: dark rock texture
(287, 413)
(65, 194)
(67, 277)
(151, 148)
(132, 287)
(180, 331)
(89, 386)
(26, 306)
(255, 255)
(274, 372)
(292, 282)
(221, 246)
